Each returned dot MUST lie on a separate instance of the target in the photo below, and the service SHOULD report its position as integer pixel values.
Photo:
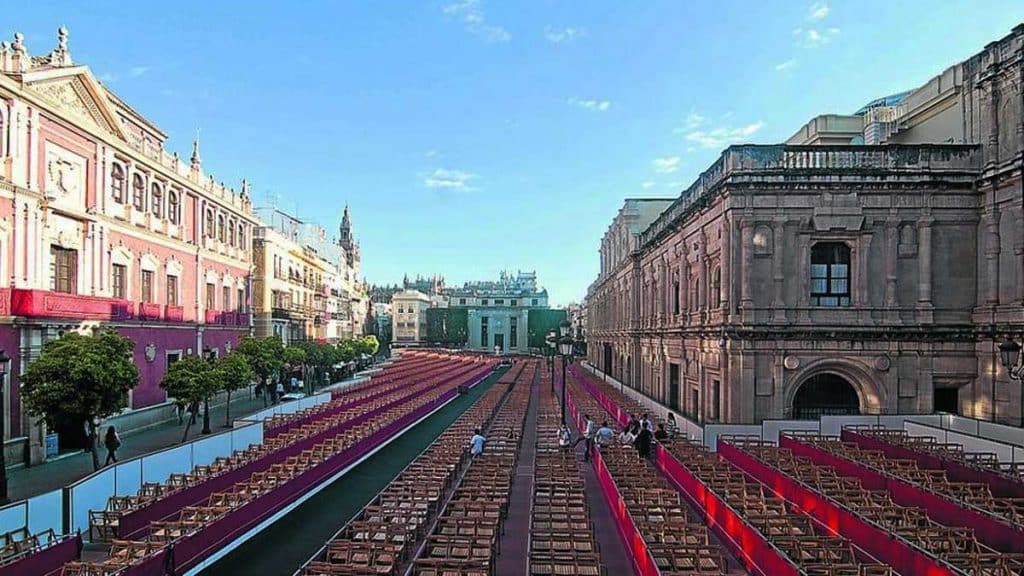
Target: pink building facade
(100, 226)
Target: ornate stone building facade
(99, 224)
(870, 265)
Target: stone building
(871, 264)
(498, 311)
(409, 316)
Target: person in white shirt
(588, 437)
(476, 443)
(564, 437)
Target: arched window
(156, 200)
(232, 236)
(715, 297)
(210, 230)
(241, 237)
(172, 206)
(220, 228)
(138, 192)
(695, 295)
(117, 183)
(830, 274)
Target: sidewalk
(31, 481)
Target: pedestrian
(588, 437)
(112, 442)
(280, 391)
(633, 425)
(660, 434)
(673, 426)
(643, 443)
(476, 443)
(647, 423)
(179, 409)
(605, 435)
(564, 437)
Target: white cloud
(433, 153)
(723, 136)
(137, 71)
(647, 184)
(817, 11)
(691, 149)
(814, 37)
(472, 16)
(592, 105)
(449, 180)
(108, 78)
(666, 165)
(787, 65)
(566, 35)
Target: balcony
(47, 304)
(150, 311)
(174, 313)
(213, 316)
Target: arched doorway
(825, 394)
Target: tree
(265, 358)
(369, 345)
(193, 380)
(294, 356)
(81, 378)
(235, 373)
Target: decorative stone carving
(763, 241)
(791, 362)
(908, 241)
(882, 363)
(150, 352)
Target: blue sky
(474, 136)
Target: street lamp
(1009, 356)
(3, 419)
(565, 344)
(552, 336)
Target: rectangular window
(172, 290)
(513, 336)
(211, 297)
(483, 302)
(462, 301)
(63, 270)
(483, 332)
(118, 284)
(675, 297)
(240, 303)
(225, 302)
(534, 302)
(172, 357)
(499, 302)
(513, 303)
(147, 286)
(830, 274)
(716, 400)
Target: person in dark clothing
(643, 442)
(660, 434)
(112, 442)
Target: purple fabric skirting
(46, 560)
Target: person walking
(112, 442)
(564, 437)
(643, 443)
(605, 435)
(476, 443)
(660, 434)
(673, 426)
(588, 437)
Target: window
(695, 295)
(716, 399)
(172, 357)
(716, 289)
(241, 237)
(210, 230)
(232, 237)
(225, 293)
(63, 270)
(483, 302)
(513, 337)
(138, 192)
(220, 228)
(675, 297)
(240, 303)
(513, 302)
(172, 206)
(172, 290)
(830, 274)
(533, 302)
(483, 332)
(117, 183)
(118, 285)
(211, 297)
(462, 301)
(147, 286)
(156, 200)
(499, 302)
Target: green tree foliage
(539, 323)
(81, 379)
(265, 357)
(368, 345)
(235, 373)
(449, 326)
(193, 380)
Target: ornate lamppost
(1009, 356)
(4, 360)
(565, 348)
(551, 342)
